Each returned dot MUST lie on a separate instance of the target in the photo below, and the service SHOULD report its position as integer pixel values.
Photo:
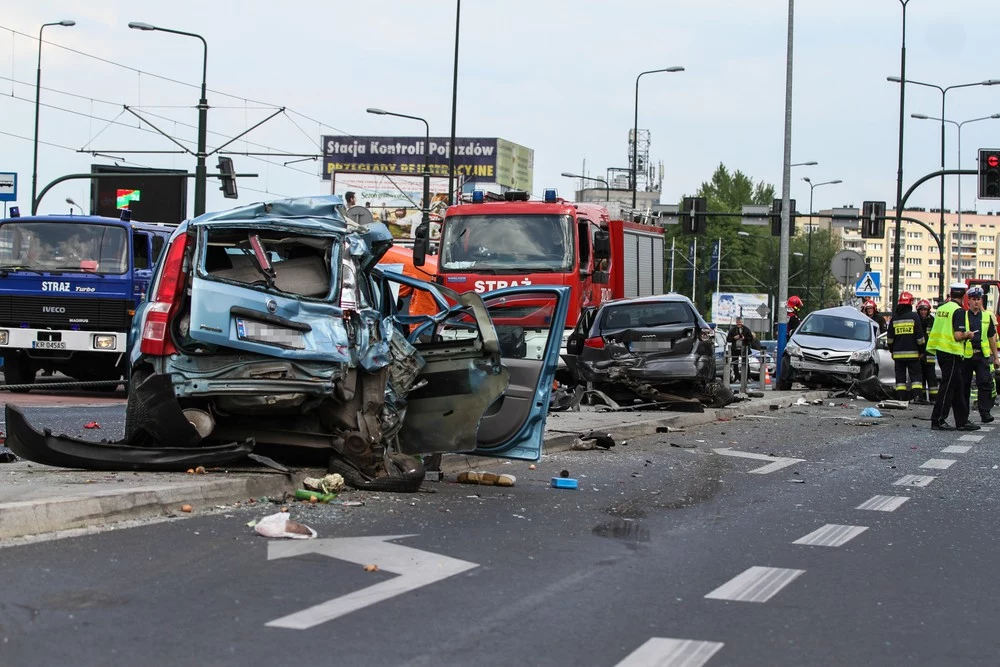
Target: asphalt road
(660, 544)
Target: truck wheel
(17, 371)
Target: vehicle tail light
(169, 293)
(597, 342)
(706, 334)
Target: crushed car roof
(321, 213)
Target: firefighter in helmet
(927, 357)
(792, 308)
(870, 308)
(905, 338)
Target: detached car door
(490, 363)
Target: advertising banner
(477, 159)
(396, 201)
(727, 306)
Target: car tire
(785, 382)
(17, 371)
(133, 416)
(718, 394)
(868, 370)
(405, 474)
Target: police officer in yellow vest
(980, 351)
(947, 342)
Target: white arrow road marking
(779, 462)
(665, 652)
(416, 569)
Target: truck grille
(63, 313)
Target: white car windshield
(832, 326)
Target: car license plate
(49, 345)
(650, 346)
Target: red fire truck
(486, 245)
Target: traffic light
(694, 224)
(873, 220)
(776, 218)
(228, 177)
(989, 173)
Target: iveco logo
(53, 309)
(272, 305)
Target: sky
(557, 76)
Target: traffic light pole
(902, 205)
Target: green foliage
(750, 262)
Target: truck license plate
(49, 345)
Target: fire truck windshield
(63, 246)
(507, 243)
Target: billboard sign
(477, 159)
(727, 306)
(8, 186)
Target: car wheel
(403, 474)
(785, 383)
(17, 371)
(718, 394)
(133, 416)
(868, 370)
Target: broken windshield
(64, 246)
(507, 243)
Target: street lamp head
(743, 234)
(920, 116)
(675, 68)
(798, 254)
(996, 115)
(990, 82)
(835, 182)
(569, 175)
(804, 164)
(893, 79)
(139, 25)
(377, 112)
(67, 23)
(69, 200)
(807, 179)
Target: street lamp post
(607, 188)
(425, 221)
(812, 186)
(899, 169)
(944, 92)
(958, 125)
(69, 200)
(38, 90)
(454, 108)
(201, 173)
(635, 124)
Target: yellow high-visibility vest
(942, 336)
(984, 341)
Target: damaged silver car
(271, 325)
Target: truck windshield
(63, 246)
(507, 242)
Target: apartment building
(920, 265)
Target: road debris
(281, 525)
(187, 508)
(314, 496)
(870, 412)
(886, 456)
(371, 568)
(332, 483)
(894, 405)
(564, 483)
(486, 478)
(684, 445)
(92, 425)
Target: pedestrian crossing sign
(869, 284)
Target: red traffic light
(993, 161)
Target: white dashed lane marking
(971, 438)
(883, 503)
(756, 584)
(914, 480)
(831, 535)
(665, 652)
(937, 464)
(986, 429)
(956, 449)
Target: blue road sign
(8, 186)
(869, 284)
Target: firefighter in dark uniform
(792, 308)
(905, 338)
(927, 359)
(947, 342)
(981, 350)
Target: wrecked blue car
(271, 327)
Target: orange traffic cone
(767, 376)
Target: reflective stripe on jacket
(942, 337)
(984, 341)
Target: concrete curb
(33, 517)
(107, 506)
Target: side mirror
(601, 277)
(602, 244)
(420, 244)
